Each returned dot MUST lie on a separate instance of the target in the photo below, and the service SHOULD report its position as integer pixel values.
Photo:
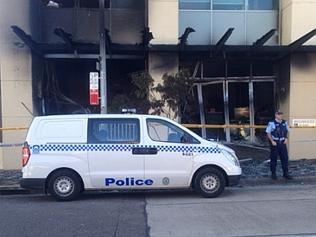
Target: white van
(65, 155)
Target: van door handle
(144, 151)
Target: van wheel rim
(210, 183)
(64, 186)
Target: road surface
(281, 210)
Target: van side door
(110, 145)
(171, 165)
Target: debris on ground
(255, 163)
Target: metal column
(251, 106)
(200, 96)
(201, 107)
(226, 105)
(103, 89)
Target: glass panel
(263, 5)
(195, 4)
(238, 68)
(92, 4)
(239, 109)
(59, 3)
(223, 20)
(264, 108)
(263, 68)
(114, 131)
(263, 102)
(214, 68)
(214, 110)
(229, 4)
(162, 131)
(128, 4)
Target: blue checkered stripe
(188, 149)
(119, 147)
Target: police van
(64, 155)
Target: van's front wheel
(210, 182)
(64, 185)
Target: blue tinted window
(263, 4)
(128, 4)
(229, 4)
(114, 131)
(195, 4)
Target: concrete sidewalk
(262, 211)
(9, 183)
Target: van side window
(114, 131)
(163, 131)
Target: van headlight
(231, 157)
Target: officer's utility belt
(279, 139)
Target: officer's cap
(278, 112)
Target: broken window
(128, 4)
(89, 3)
(264, 105)
(93, 3)
(214, 110)
(59, 3)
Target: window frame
(92, 140)
(197, 8)
(276, 5)
(244, 6)
(211, 7)
(195, 141)
(113, 6)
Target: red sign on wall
(94, 88)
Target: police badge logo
(36, 149)
(165, 181)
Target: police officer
(277, 132)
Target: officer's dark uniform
(279, 133)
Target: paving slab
(257, 211)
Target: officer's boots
(287, 176)
(274, 176)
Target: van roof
(83, 116)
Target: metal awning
(72, 49)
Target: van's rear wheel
(64, 185)
(210, 182)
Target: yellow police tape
(222, 126)
(13, 128)
(189, 126)
(235, 126)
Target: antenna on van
(128, 111)
(27, 109)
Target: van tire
(64, 185)
(210, 182)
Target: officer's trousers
(279, 150)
